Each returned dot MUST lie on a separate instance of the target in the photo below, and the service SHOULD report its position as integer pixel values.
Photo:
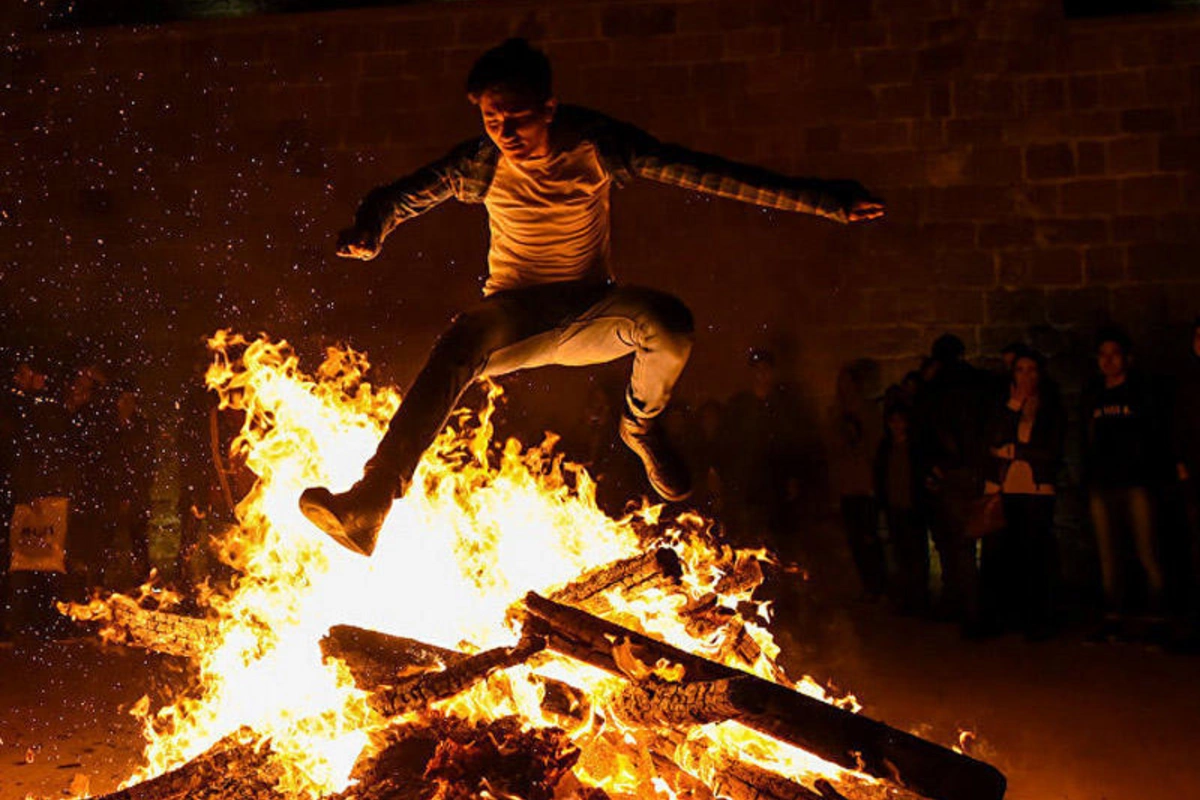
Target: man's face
(519, 126)
(1112, 360)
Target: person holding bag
(1025, 436)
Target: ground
(1064, 720)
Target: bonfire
(507, 639)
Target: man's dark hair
(1115, 334)
(514, 66)
(948, 348)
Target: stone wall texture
(1041, 174)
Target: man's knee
(471, 338)
(666, 319)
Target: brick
(1038, 200)
(808, 38)
(1088, 53)
(1091, 197)
(1104, 264)
(752, 43)
(969, 202)
(1149, 120)
(1162, 261)
(902, 101)
(1016, 232)
(1123, 89)
(875, 136)
(991, 165)
(886, 66)
(480, 30)
(938, 102)
(638, 20)
(1088, 306)
(973, 98)
(1089, 124)
(1157, 193)
(1090, 158)
(1144, 307)
(686, 47)
(928, 134)
(964, 268)
(776, 74)
(935, 62)
(959, 306)
(1084, 92)
(854, 35)
(1135, 228)
(720, 78)
(1132, 155)
(1181, 227)
(1049, 162)
(948, 235)
(580, 22)
(1020, 307)
(884, 341)
(826, 139)
(1072, 231)
(1045, 94)
(974, 131)
(843, 10)
(1179, 153)
(1167, 86)
(1056, 266)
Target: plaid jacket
(625, 152)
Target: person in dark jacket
(1124, 455)
(855, 424)
(545, 174)
(900, 491)
(949, 436)
(129, 460)
(1025, 437)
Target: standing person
(1185, 435)
(129, 460)
(1025, 437)
(90, 413)
(949, 435)
(762, 423)
(855, 423)
(544, 173)
(1123, 457)
(901, 493)
(42, 479)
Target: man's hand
(865, 210)
(856, 201)
(358, 243)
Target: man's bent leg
(355, 517)
(657, 328)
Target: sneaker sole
(329, 524)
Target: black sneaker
(354, 517)
(666, 471)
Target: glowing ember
(483, 525)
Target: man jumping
(544, 173)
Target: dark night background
(164, 180)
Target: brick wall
(1041, 174)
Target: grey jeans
(570, 324)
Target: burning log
(420, 690)
(230, 769)
(657, 566)
(850, 740)
(405, 675)
(376, 659)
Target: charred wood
(849, 740)
(657, 566)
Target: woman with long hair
(1025, 436)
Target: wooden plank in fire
(658, 566)
(852, 741)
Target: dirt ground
(1064, 720)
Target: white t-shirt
(549, 220)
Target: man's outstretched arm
(385, 207)
(839, 200)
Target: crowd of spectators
(971, 461)
(78, 460)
